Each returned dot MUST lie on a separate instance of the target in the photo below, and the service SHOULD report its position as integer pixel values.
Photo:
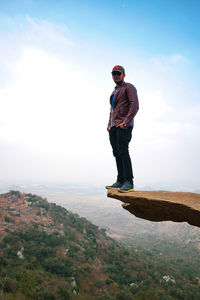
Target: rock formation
(161, 205)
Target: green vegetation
(17, 194)
(7, 219)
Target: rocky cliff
(161, 205)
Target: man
(124, 106)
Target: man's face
(117, 76)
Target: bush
(7, 219)
(64, 294)
(61, 267)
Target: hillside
(47, 252)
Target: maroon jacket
(125, 105)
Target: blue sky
(142, 28)
(148, 26)
(56, 58)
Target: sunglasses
(114, 73)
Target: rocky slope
(47, 252)
(22, 211)
(161, 205)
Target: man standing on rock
(123, 108)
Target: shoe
(115, 185)
(126, 187)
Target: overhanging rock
(161, 205)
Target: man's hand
(108, 128)
(121, 125)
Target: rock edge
(161, 205)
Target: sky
(56, 59)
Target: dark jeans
(119, 139)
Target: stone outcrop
(161, 205)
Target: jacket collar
(121, 84)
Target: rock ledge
(161, 205)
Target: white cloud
(48, 99)
(48, 32)
(167, 63)
(177, 58)
(36, 34)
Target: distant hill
(47, 252)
